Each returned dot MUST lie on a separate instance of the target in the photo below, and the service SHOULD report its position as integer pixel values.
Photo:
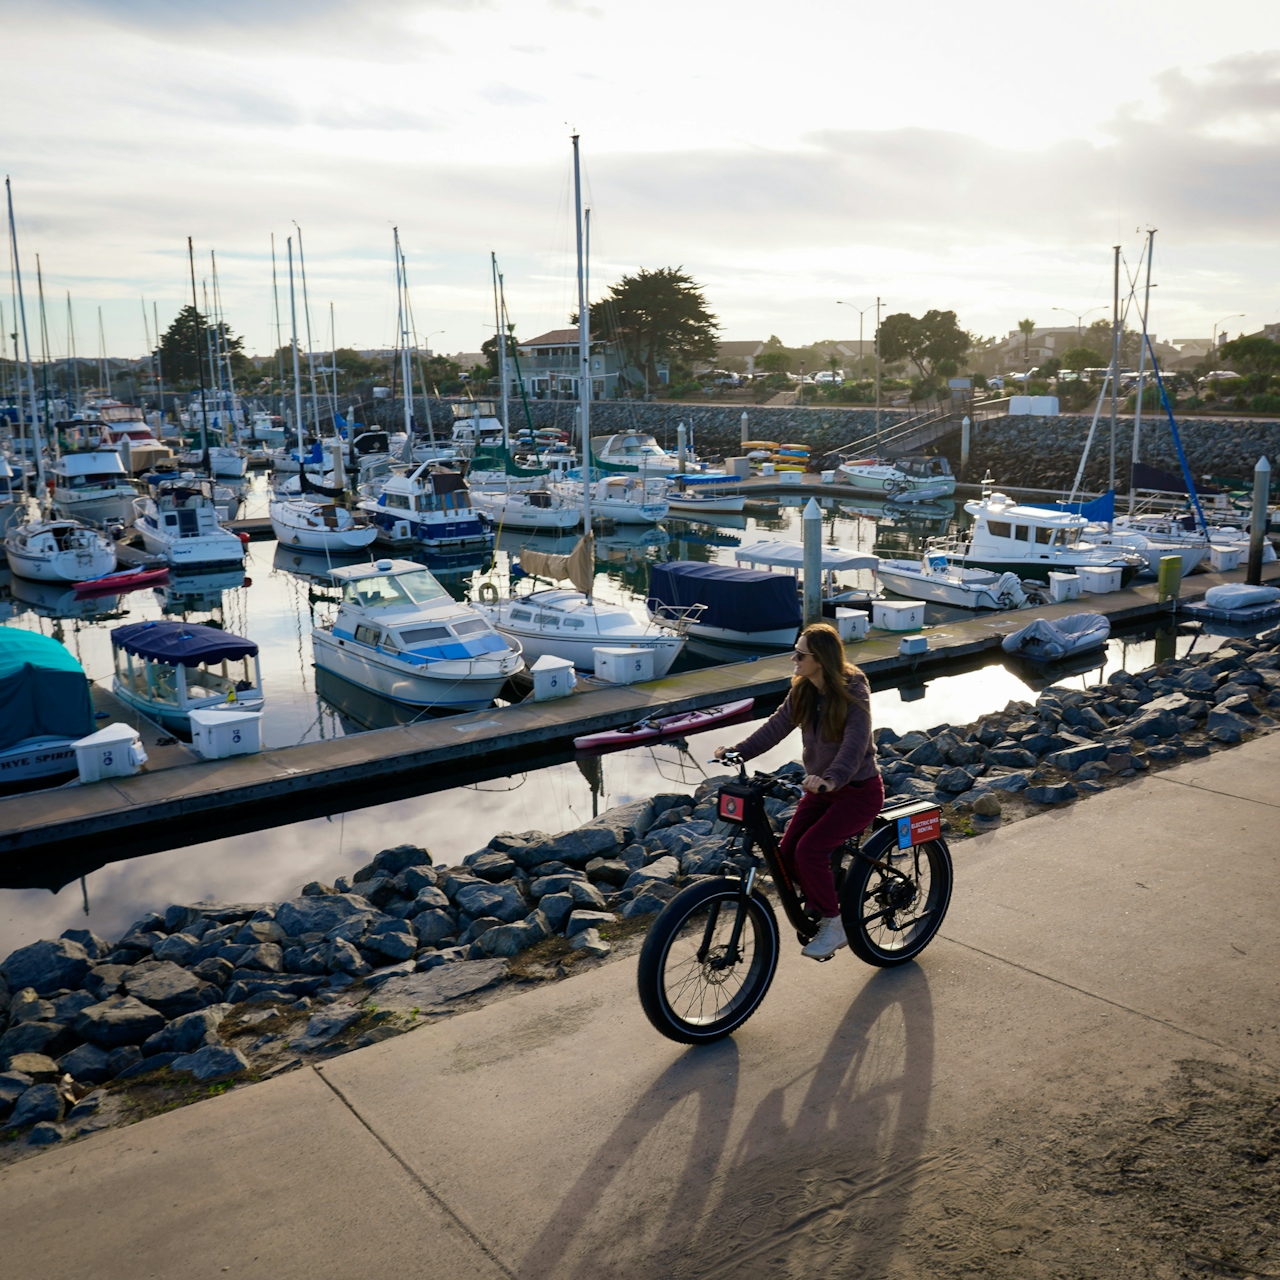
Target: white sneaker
(829, 940)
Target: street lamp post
(1213, 345)
(862, 368)
(1079, 319)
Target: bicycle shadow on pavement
(815, 1181)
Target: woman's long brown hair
(826, 646)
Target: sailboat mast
(297, 381)
(500, 350)
(275, 297)
(45, 349)
(584, 345)
(1142, 370)
(311, 360)
(155, 324)
(1115, 356)
(37, 445)
(204, 411)
(406, 369)
(73, 374)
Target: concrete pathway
(1087, 952)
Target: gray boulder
(26, 1006)
(912, 789)
(342, 957)
(35, 1068)
(51, 1038)
(253, 933)
(501, 900)
(590, 941)
(1005, 781)
(325, 1024)
(510, 939)
(556, 907)
(648, 901)
(87, 1063)
(1086, 718)
(1053, 793)
(964, 753)
(266, 957)
(354, 928)
(1074, 757)
(122, 1058)
(585, 894)
(608, 871)
(1241, 704)
(491, 865)
(119, 1021)
(48, 966)
(213, 1062)
(318, 915)
(1160, 723)
(478, 928)
(987, 806)
(215, 970)
(663, 871)
(177, 947)
(679, 839)
(705, 858)
(1227, 726)
(105, 980)
(13, 1084)
(168, 988)
(40, 1102)
(1011, 757)
(557, 883)
(429, 898)
(954, 780)
(95, 947)
(394, 939)
(432, 927)
(581, 920)
(416, 879)
(185, 1034)
(442, 984)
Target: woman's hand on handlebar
(727, 754)
(816, 785)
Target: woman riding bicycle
(830, 701)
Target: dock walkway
(164, 808)
(1005, 1106)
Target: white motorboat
(168, 669)
(570, 625)
(641, 450)
(475, 423)
(1192, 548)
(59, 551)
(624, 499)
(704, 499)
(934, 578)
(318, 526)
(180, 523)
(399, 633)
(1031, 542)
(917, 479)
(224, 460)
(430, 506)
(536, 509)
(93, 486)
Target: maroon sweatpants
(822, 822)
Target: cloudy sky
(981, 157)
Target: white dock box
(218, 734)
(766, 468)
(897, 615)
(1063, 586)
(113, 752)
(852, 624)
(1098, 579)
(1224, 559)
(552, 678)
(790, 477)
(740, 467)
(623, 666)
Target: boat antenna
(297, 381)
(37, 443)
(204, 411)
(584, 347)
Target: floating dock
(178, 802)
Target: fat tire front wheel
(890, 919)
(690, 989)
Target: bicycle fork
(731, 955)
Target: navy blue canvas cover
(736, 599)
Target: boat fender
(487, 593)
(244, 538)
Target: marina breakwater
(94, 1033)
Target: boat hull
(178, 719)
(306, 538)
(581, 653)
(937, 590)
(95, 510)
(779, 638)
(458, 684)
(728, 505)
(62, 566)
(198, 551)
(36, 761)
(1041, 569)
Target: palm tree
(1026, 328)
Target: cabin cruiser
(917, 479)
(228, 461)
(93, 486)
(399, 633)
(180, 523)
(431, 506)
(475, 423)
(1031, 542)
(640, 450)
(934, 578)
(527, 509)
(624, 499)
(124, 428)
(59, 551)
(168, 669)
(318, 526)
(48, 709)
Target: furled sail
(579, 566)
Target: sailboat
(573, 624)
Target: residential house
(550, 369)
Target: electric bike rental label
(919, 828)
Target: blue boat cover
(43, 689)
(736, 599)
(182, 644)
(1101, 510)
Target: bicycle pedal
(823, 959)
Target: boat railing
(679, 617)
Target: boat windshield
(381, 591)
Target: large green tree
(186, 344)
(655, 317)
(1252, 355)
(935, 338)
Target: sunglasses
(798, 654)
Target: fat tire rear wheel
(890, 920)
(697, 1001)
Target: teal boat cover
(43, 690)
